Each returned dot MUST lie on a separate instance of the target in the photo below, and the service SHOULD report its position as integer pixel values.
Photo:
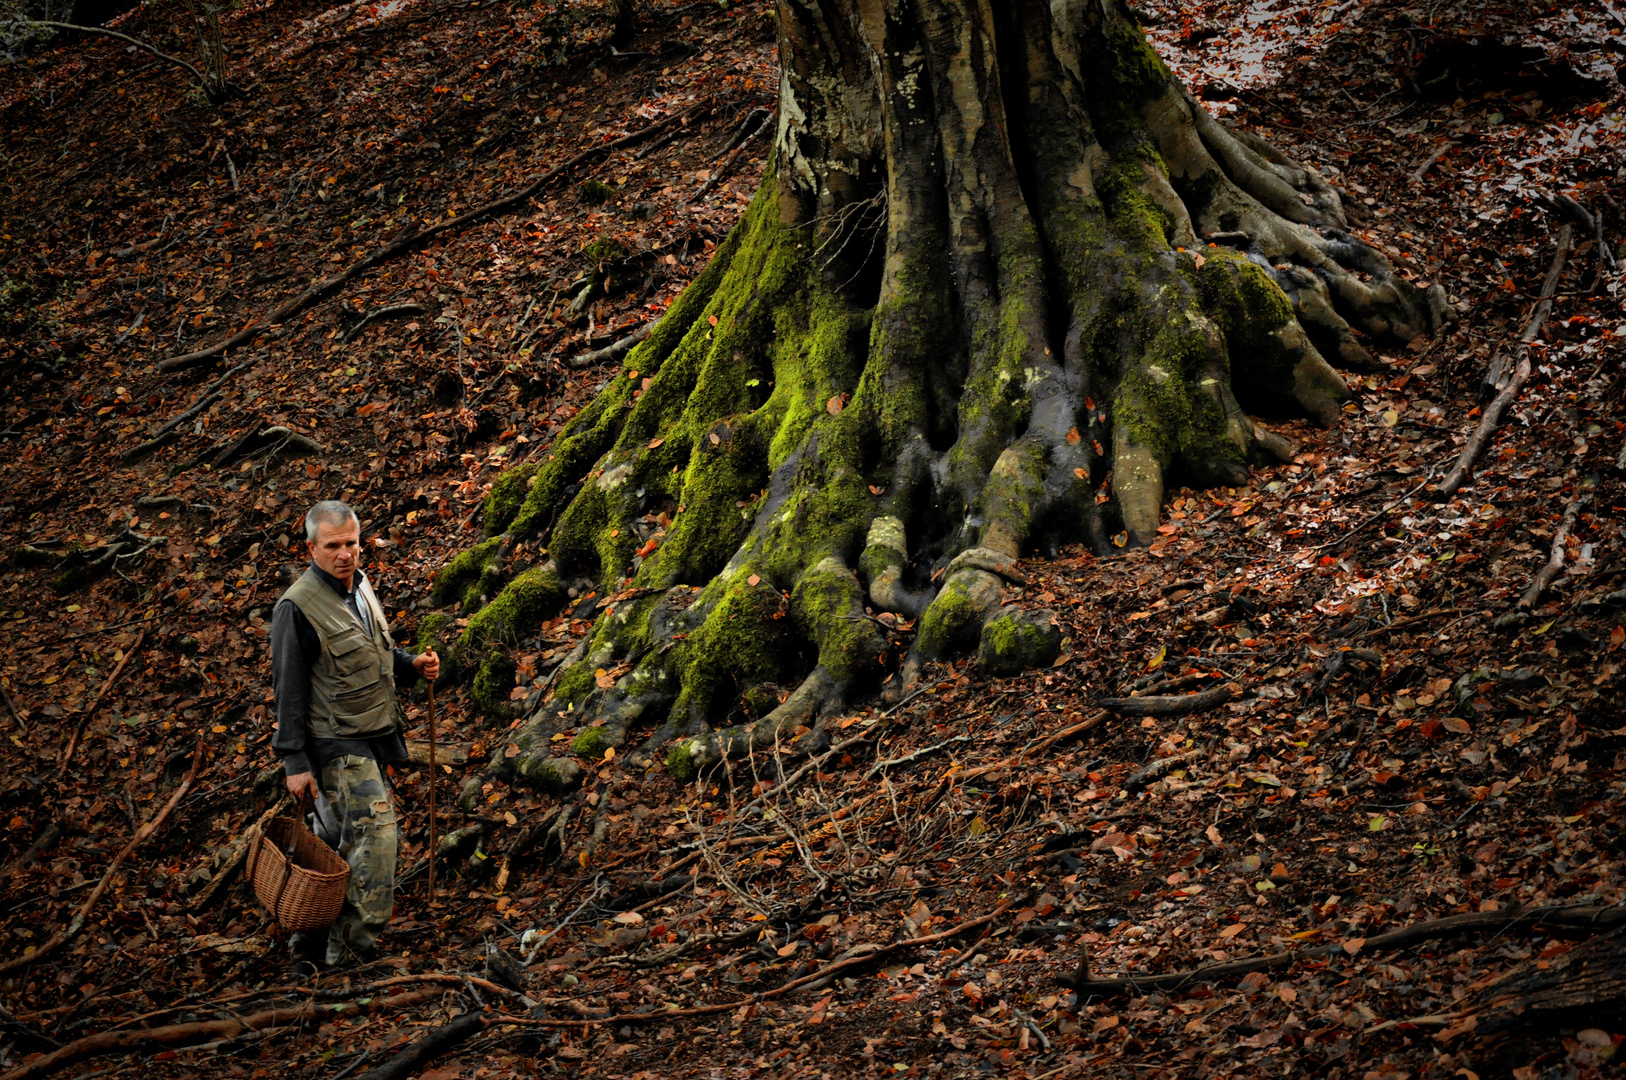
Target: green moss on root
(743, 641)
(1136, 216)
(458, 576)
(1244, 300)
(952, 621)
(574, 685)
(1015, 640)
(433, 633)
(591, 742)
(506, 496)
(493, 683)
(556, 776)
(828, 606)
(527, 600)
(680, 760)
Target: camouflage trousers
(356, 817)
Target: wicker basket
(299, 879)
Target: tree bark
(970, 313)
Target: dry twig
(1493, 412)
(61, 937)
(1556, 917)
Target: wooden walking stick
(432, 843)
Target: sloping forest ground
(1412, 743)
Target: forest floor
(1411, 743)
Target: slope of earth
(1408, 739)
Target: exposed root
(907, 368)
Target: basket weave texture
(303, 893)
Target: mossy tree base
(971, 312)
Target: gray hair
(330, 512)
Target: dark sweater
(295, 649)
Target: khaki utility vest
(353, 682)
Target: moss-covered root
(459, 579)
(556, 776)
(954, 620)
(1137, 483)
(517, 610)
(493, 684)
(507, 495)
(885, 558)
(828, 606)
(794, 718)
(1014, 640)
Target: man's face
(337, 548)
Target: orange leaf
(372, 407)
(712, 319)
(655, 442)
(873, 490)
(835, 405)
(753, 580)
(1073, 437)
(1353, 945)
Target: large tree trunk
(1004, 279)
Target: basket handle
(302, 803)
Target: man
(335, 670)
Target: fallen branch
(393, 311)
(61, 937)
(916, 756)
(1410, 620)
(96, 702)
(1556, 917)
(1555, 559)
(425, 1047)
(767, 995)
(11, 708)
(246, 841)
(47, 836)
(408, 242)
(210, 396)
(954, 776)
(137, 42)
(667, 140)
(1173, 704)
(727, 163)
(1422, 170)
(1492, 415)
(119, 1042)
(613, 351)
